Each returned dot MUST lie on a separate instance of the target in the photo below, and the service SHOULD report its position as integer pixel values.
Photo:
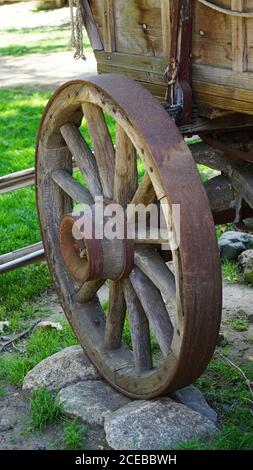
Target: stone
(246, 261)
(250, 318)
(60, 370)
(6, 424)
(194, 399)
(90, 401)
(49, 325)
(155, 425)
(250, 334)
(232, 244)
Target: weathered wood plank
(109, 27)
(90, 26)
(239, 38)
(166, 27)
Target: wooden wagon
(196, 59)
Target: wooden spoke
(116, 316)
(75, 190)
(83, 157)
(88, 291)
(103, 146)
(139, 329)
(154, 308)
(126, 178)
(145, 238)
(145, 193)
(150, 262)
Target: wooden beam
(109, 27)
(239, 38)
(91, 27)
(166, 27)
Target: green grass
(240, 325)
(18, 43)
(43, 410)
(41, 344)
(231, 271)
(20, 113)
(2, 391)
(74, 435)
(226, 391)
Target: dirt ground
(41, 70)
(14, 429)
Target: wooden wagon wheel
(179, 305)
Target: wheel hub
(90, 257)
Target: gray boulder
(90, 401)
(154, 425)
(60, 370)
(246, 262)
(194, 399)
(232, 244)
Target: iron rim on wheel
(151, 290)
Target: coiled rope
(227, 11)
(76, 40)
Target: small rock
(250, 318)
(194, 399)
(90, 401)
(232, 244)
(49, 325)
(155, 424)
(222, 340)
(5, 338)
(250, 334)
(60, 370)
(6, 424)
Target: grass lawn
(19, 42)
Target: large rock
(153, 425)
(232, 244)
(90, 401)
(194, 399)
(60, 370)
(246, 262)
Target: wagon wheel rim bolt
(173, 299)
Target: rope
(227, 11)
(76, 40)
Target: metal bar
(21, 258)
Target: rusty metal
(89, 258)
